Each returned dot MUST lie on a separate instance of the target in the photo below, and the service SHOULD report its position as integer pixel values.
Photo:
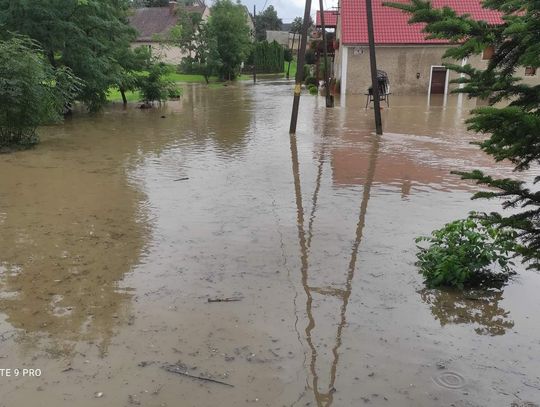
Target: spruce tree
(514, 128)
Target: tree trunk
(292, 53)
(123, 93)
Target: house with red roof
(413, 63)
(153, 24)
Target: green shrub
(312, 89)
(310, 57)
(310, 80)
(153, 87)
(174, 91)
(466, 252)
(287, 55)
(32, 93)
(307, 71)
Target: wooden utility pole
(300, 67)
(329, 97)
(373, 63)
(254, 42)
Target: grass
(292, 71)
(114, 96)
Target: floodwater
(118, 229)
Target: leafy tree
(131, 63)
(269, 57)
(194, 37)
(228, 25)
(157, 3)
(514, 130)
(296, 25)
(267, 20)
(32, 93)
(88, 36)
(153, 86)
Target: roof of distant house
(391, 25)
(151, 21)
(330, 19)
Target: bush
(467, 252)
(32, 93)
(174, 91)
(310, 80)
(287, 55)
(310, 57)
(312, 89)
(153, 87)
(307, 71)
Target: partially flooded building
(413, 63)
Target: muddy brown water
(118, 228)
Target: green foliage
(296, 25)
(153, 86)
(32, 93)
(174, 92)
(513, 127)
(267, 20)
(269, 57)
(307, 71)
(288, 55)
(311, 81)
(87, 36)
(310, 58)
(131, 63)
(228, 26)
(197, 40)
(312, 89)
(466, 252)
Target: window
(488, 52)
(530, 71)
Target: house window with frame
(530, 71)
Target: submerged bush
(467, 252)
(312, 89)
(32, 92)
(310, 80)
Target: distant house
(414, 64)
(153, 23)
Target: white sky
(289, 9)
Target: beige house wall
(166, 53)
(408, 68)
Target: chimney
(172, 7)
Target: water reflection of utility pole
(326, 398)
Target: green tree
(513, 129)
(266, 20)
(194, 37)
(88, 36)
(131, 63)
(32, 93)
(153, 86)
(228, 25)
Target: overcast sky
(288, 9)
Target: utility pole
(300, 67)
(255, 42)
(373, 63)
(329, 97)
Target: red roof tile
(330, 18)
(390, 24)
